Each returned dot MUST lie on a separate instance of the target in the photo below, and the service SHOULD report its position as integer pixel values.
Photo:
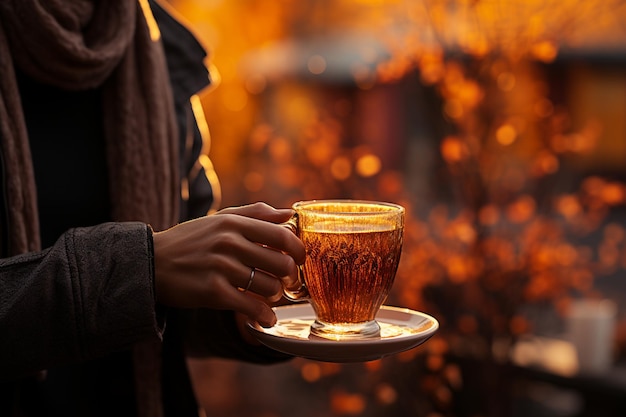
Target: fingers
(271, 235)
(247, 304)
(238, 274)
(262, 234)
(273, 261)
(275, 266)
(266, 232)
(263, 284)
(208, 262)
(260, 211)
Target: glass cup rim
(394, 208)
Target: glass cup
(353, 249)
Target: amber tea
(349, 275)
(353, 250)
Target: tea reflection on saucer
(400, 329)
(300, 329)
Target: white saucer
(400, 329)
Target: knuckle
(260, 207)
(228, 241)
(227, 220)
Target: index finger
(275, 236)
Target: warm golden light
(368, 165)
(155, 32)
(545, 51)
(453, 149)
(386, 394)
(311, 372)
(545, 163)
(341, 168)
(506, 134)
(344, 403)
(506, 81)
(453, 109)
(569, 206)
(522, 209)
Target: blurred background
(501, 127)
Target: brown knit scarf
(82, 44)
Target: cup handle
(299, 291)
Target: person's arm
(216, 333)
(89, 294)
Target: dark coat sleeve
(215, 333)
(89, 294)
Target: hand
(205, 262)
